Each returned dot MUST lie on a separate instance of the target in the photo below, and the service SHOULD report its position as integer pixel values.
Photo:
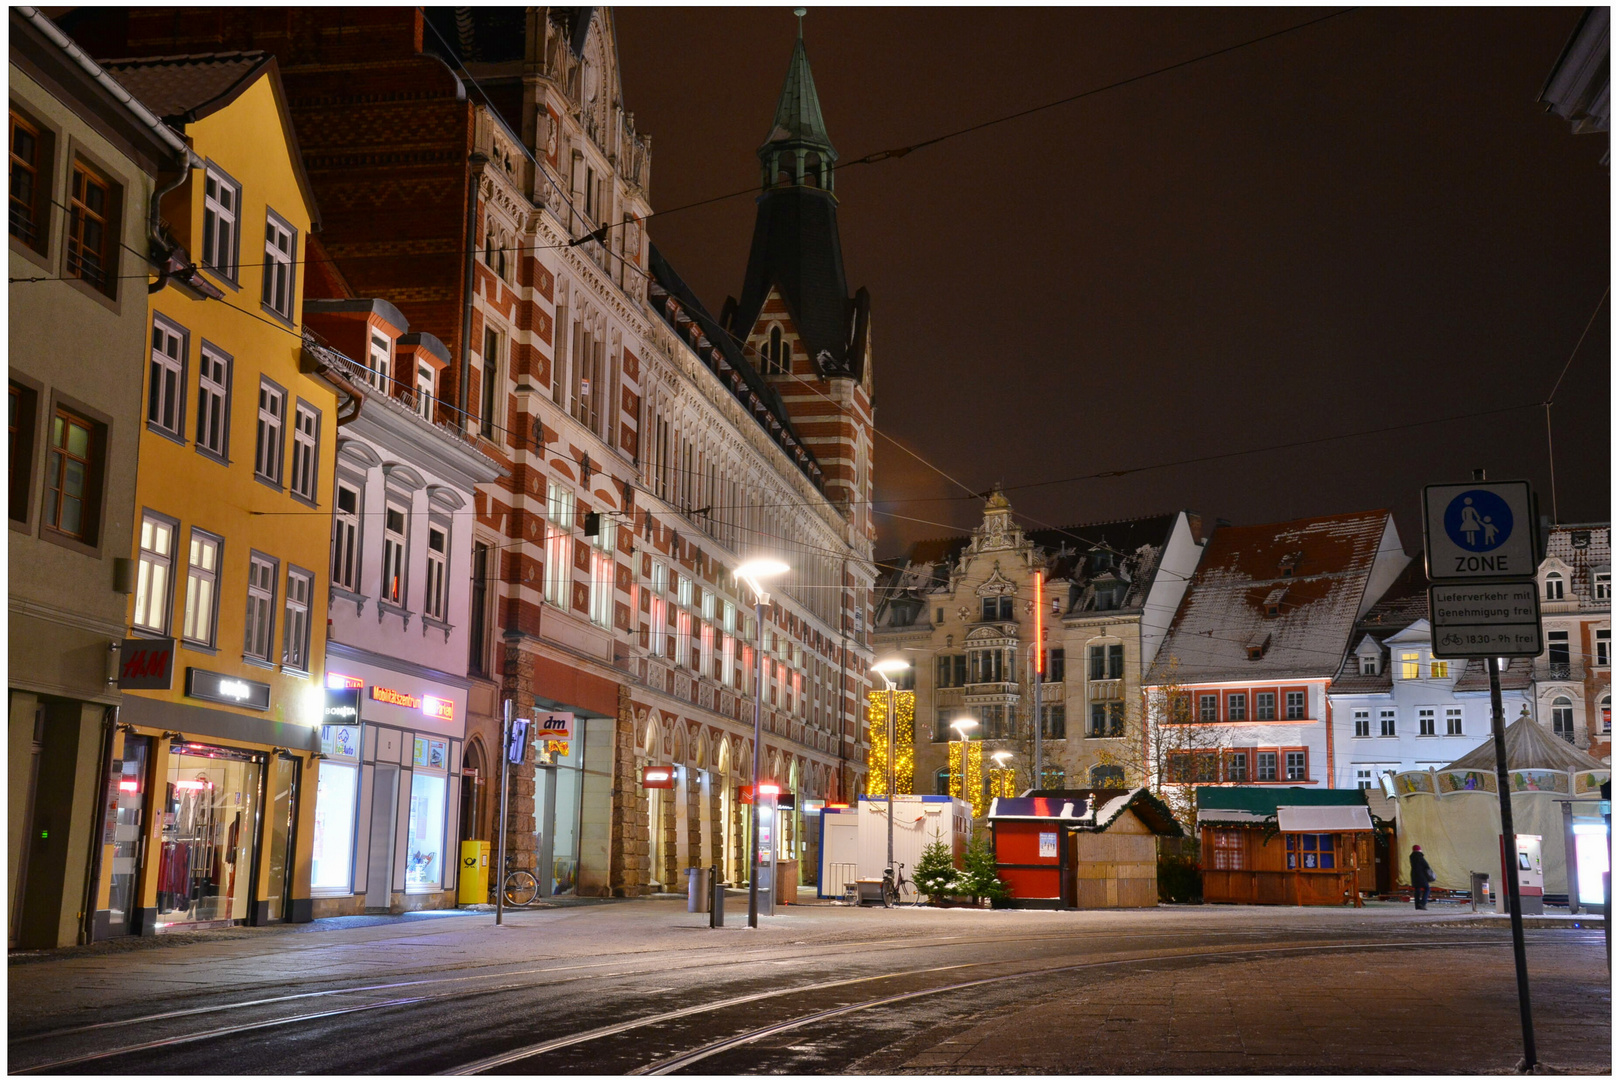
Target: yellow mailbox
(474, 871)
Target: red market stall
(1080, 848)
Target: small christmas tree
(935, 875)
(981, 878)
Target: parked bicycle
(897, 889)
(521, 887)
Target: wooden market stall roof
(1259, 805)
(1088, 809)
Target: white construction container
(917, 821)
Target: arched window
(500, 256)
(1106, 776)
(1561, 714)
(942, 781)
(1553, 586)
(488, 248)
(1604, 714)
(810, 170)
(771, 353)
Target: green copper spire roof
(797, 119)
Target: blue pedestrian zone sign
(1478, 521)
(1480, 531)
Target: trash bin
(473, 872)
(715, 916)
(1479, 891)
(698, 888)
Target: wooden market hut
(1080, 848)
(1285, 845)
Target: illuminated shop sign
(342, 706)
(226, 689)
(395, 697)
(343, 682)
(657, 776)
(146, 664)
(435, 707)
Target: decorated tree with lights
(935, 873)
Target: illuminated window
(559, 508)
(1439, 669)
(1410, 664)
(155, 576)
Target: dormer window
(1289, 563)
(1554, 586)
(1369, 665)
(1257, 648)
(1274, 603)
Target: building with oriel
(480, 171)
(1573, 674)
(961, 609)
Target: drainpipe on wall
(474, 170)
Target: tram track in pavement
(624, 965)
(536, 981)
(691, 957)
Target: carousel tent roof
(1528, 746)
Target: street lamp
(885, 669)
(963, 725)
(750, 572)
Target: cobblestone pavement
(1163, 990)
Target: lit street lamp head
(1000, 757)
(964, 724)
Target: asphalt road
(642, 986)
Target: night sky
(1364, 223)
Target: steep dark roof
(186, 88)
(797, 248)
(1402, 605)
(798, 118)
(677, 305)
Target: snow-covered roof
(1583, 548)
(1088, 809)
(1224, 629)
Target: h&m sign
(146, 664)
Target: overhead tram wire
(873, 158)
(1548, 403)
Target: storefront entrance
(558, 801)
(123, 836)
(212, 799)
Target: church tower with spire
(806, 336)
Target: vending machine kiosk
(1529, 864)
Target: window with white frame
(1296, 764)
(1602, 647)
(395, 547)
(280, 254)
(1455, 721)
(1602, 585)
(213, 403)
(305, 451)
(380, 366)
(1427, 718)
(1388, 723)
(1560, 714)
(686, 590)
(726, 661)
(558, 546)
(268, 455)
(1604, 714)
(155, 578)
(345, 538)
(681, 639)
(659, 609)
(1553, 586)
(1369, 665)
(602, 572)
(1360, 723)
(221, 211)
(299, 593)
(436, 604)
(423, 391)
(1296, 704)
(261, 574)
(1410, 664)
(202, 589)
(165, 392)
(1439, 669)
(1366, 777)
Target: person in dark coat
(1420, 875)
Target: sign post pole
(504, 810)
(1512, 876)
(1481, 555)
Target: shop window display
(335, 801)
(423, 867)
(209, 827)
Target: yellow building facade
(210, 797)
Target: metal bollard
(715, 908)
